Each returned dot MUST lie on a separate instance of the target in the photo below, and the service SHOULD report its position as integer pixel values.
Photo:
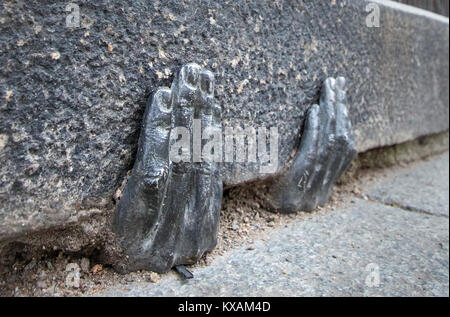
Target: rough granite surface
(72, 99)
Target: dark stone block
(73, 98)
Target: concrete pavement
(422, 188)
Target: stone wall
(72, 98)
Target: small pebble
(153, 277)
(97, 268)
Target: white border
(410, 9)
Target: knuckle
(154, 179)
(343, 140)
(328, 147)
(331, 141)
(324, 152)
(341, 95)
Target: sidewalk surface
(396, 243)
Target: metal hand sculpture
(169, 212)
(326, 150)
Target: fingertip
(162, 98)
(330, 83)
(328, 90)
(340, 83)
(313, 110)
(189, 75)
(207, 82)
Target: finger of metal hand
(310, 137)
(328, 108)
(343, 123)
(325, 153)
(153, 150)
(185, 88)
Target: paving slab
(366, 249)
(423, 187)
